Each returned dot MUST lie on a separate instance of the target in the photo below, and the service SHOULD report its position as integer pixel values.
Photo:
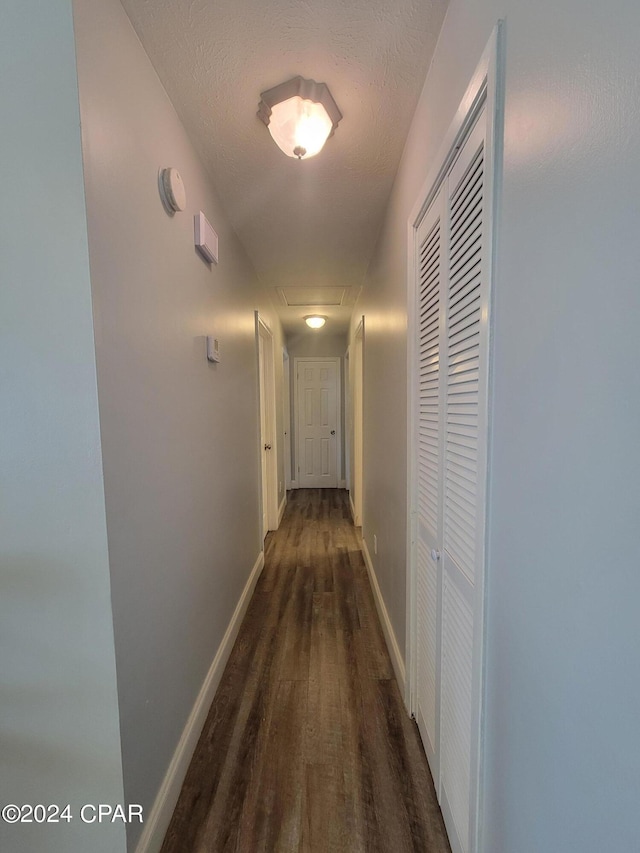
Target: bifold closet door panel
(463, 505)
(429, 311)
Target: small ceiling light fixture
(300, 115)
(315, 321)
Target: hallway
(307, 745)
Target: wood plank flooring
(307, 746)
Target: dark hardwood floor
(307, 746)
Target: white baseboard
(353, 509)
(282, 507)
(342, 484)
(389, 635)
(160, 815)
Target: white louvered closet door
(430, 315)
(452, 313)
(464, 477)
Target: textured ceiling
(309, 223)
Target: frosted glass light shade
(299, 128)
(301, 115)
(315, 321)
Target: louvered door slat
(465, 489)
(463, 304)
(427, 595)
(473, 225)
(429, 345)
(470, 181)
(426, 315)
(465, 276)
(462, 355)
(457, 649)
(463, 425)
(462, 309)
(471, 208)
(463, 337)
(466, 225)
(463, 264)
(464, 544)
(469, 442)
(429, 366)
(462, 381)
(462, 470)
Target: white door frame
(357, 417)
(268, 406)
(483, 89)
(296, 412)
(348, 420)
(286, 415)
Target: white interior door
(263, 437)
(452, 353)
(348, 420)
(268, 447)
(317, 420)
(358, 414)
(286, 418)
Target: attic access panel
(320, 297)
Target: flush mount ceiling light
(315, 321)
(300, 115)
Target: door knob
(435, 555)
(333, 432)
(267, 447)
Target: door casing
(357, 430)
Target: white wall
(180, 435)
(59, 710)
(562, 696)
(317, 345)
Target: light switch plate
(206, 239)
(213, 349)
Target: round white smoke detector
(172, 191)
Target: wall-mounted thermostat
(206, 238)
(213, 349)
(172, 191)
